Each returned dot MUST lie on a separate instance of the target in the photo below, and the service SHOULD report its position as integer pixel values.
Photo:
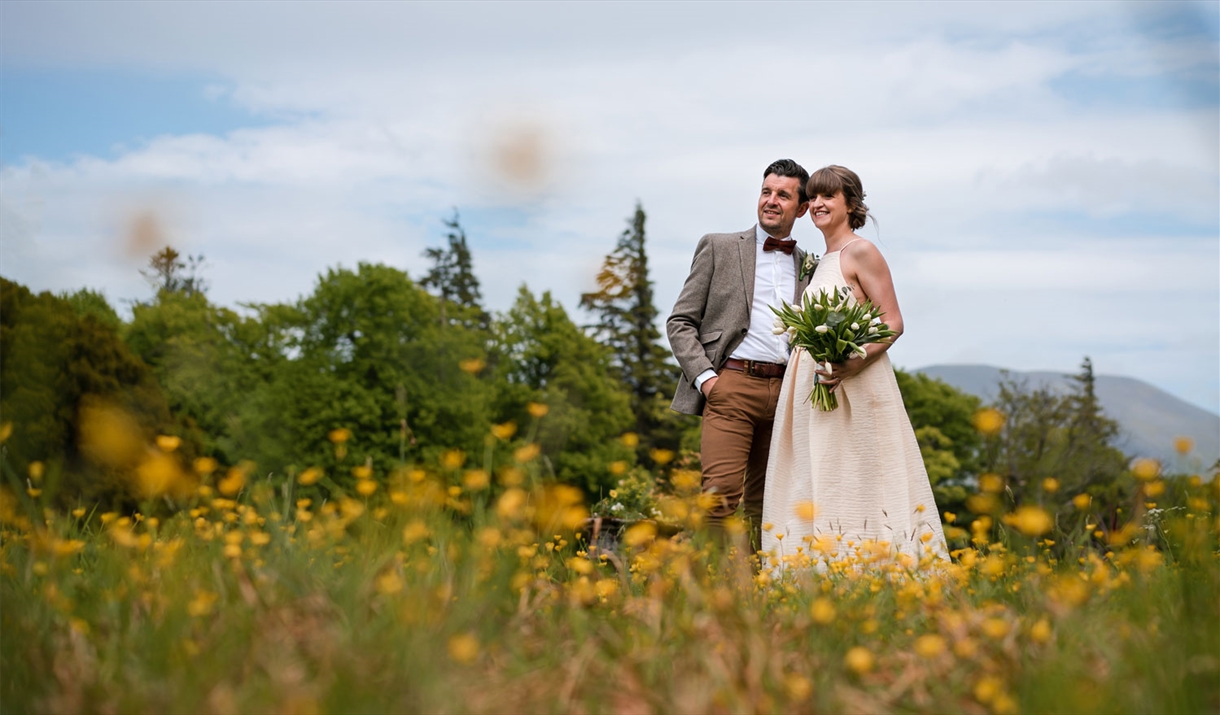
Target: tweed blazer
(712, 314)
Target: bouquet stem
(823, 398)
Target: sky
(1045, 176)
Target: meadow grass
(447, 590)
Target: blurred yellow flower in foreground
(989, 421)
(159, 474)
(168, 443)
(822, 611)
(415, 531)
(504, 431)
(1030, 520)
(661, 456)
(806, 511)
(630, 440)
(1082, 501)
(453, 459)
(618, 467)
(929, 645)
(205, 466)
(472, 365)
(464, 648)
(6, 431)
(640, 534)
(339, 436)
(537, 410)
(366, 487)
(511, 504)
(1154, 488)
(1145, 469)
(36, 470)
(1050, 485)
(309, 476)
(858, 660)
(992, 483)
(528, 453)
(362, 472)
(233, 481)
(109, 435)
(476, 479)
(1183, 445)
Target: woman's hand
(840, 371)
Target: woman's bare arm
(868, 274)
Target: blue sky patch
(58, 114)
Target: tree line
(413, 368)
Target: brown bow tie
(778, 244)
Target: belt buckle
(750, 367)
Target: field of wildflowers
(456, 587)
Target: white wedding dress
(858, 465)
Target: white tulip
(791, 335)
(818, 307)
(822, 329)
(872, 331)
(877, 320)
(778, 327)
(855, 326)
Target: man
(721, 334)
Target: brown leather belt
(754, 368)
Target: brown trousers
(736, 441)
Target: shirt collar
(760, 236)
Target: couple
(765, 446)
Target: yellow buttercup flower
(537, 410)
(472, 366)
(1030, 520)
(1145, 469)
(929, 645)
(168, 443)
(340, 435)
(464, 648)
(504, 431)
(822, 611)
(309, 476)
(528, 453)
(806, 511)
(989, 421)
(859, 660)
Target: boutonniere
(809, 265)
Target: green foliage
(941, 417)
(539, 355)
(90, 302)
(54, 357)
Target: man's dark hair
(790, 169)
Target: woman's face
(828, 211)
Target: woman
(851, 482)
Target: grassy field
(451, 589)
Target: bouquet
(831, 328)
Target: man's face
(779, 205)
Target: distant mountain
(1149, 418)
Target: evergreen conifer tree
(452, 277)
(626, 324)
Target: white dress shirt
(774, 285)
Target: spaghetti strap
(848, 244)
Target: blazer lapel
(798, 257)
(748, 259)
